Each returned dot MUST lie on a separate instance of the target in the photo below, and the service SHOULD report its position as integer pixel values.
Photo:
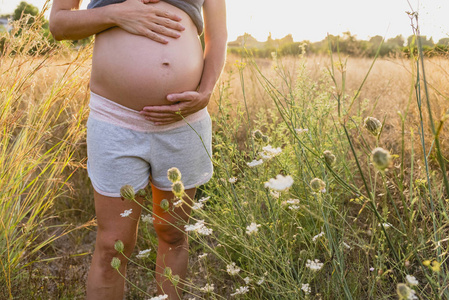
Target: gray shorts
(125, 148)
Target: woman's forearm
(214, 58)
(79, 24)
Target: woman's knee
(105, 249)
(170, 234)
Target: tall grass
(41, 128)
(344, 229)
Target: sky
(313, 20)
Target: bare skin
(103, 281)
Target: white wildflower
(178, 203)
(294, 207)
(232, 179)
(252, 229)
(411, 280)
(241, 290)
(199, 227)
(314, 265)
(255, 163)
(197, 205)
(412, 295)
(305, 287)
(281, 183)
(232, 269)
(261, 280)
(247, 280)
(301, 130)
(143, 253)
(386, 225)
(208, 288)
(204, 199)
(317, 236)
(371, 269)
(160, 297)
(126, 213)
(292, 201)
(202, 255)
(346, 245)
(269, 152)
(147, 218)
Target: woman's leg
(173, 248)
(104, 282)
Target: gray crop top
(191, 7)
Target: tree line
(347, 43)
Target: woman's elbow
(55, 28)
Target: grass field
(339, 223)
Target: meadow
(330, 180)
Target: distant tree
(24, 9)
(423, 38)
(443, 41)
(398, 40)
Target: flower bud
(115, 263)
(381, 158)
(178, 189)
(317, 185)
(127, 192)
(257, 134)
(373, 125)
(403, 291)
(119, 246)
(265, 139)
(141, 193)
(173, 174)
(329, 158)
(175, 280)
(165, 205)
(168, 272)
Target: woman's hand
(136, 17)
(184, 104)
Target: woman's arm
(67, 22)
(215, 38)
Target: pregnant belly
(135, 71)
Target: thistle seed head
(373, 125)
(115, 263)
(165, 205)
(381, 158)
(317, 184)
(329, 158)
(119, 246)
(127, 192)
(257, 134)
(173, 174)
(403, 291)
(178, 189)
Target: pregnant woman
(150, 85)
